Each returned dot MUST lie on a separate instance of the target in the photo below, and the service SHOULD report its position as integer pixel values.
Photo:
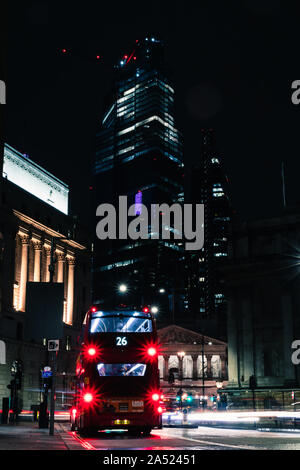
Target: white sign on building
(2, 352)
(2, 92)
(29, 176)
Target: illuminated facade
(139, 154)
(28, 225)
(181, 354)
(29, 176)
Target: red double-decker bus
(117, 373)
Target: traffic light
(16, 372)
(12, 385)
(189, 398)
(47, 383)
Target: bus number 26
(121, 341)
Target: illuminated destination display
(26, 174)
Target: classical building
(33, 218)
(263, 286)
(197, 362)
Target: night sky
(224, 58)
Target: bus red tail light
(91, 352)
(152, 352)
(155, 396)
(74, 413)
(88, 397)
(159, 410)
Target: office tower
(206, 292)
(139, 155)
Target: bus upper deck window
(119, 322)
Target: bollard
(5, 410)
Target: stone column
(48, 259)
(7, 267)
(60, 266)
(248, 344)
(233, 346)
(208, 365)
(23, 272)
(287, 332)
(70, 292)
(37, 246)
(180, 368)
(195, 371)
(165, 366)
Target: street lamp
(122, 288)
(203, 377)
(181, 355)
(154, 309)
(162, 291)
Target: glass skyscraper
(206, 295)
(139, 155)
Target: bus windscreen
(126, 370)
(112, 323)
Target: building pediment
(176, 334)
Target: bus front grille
(123, 406)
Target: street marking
(70, 436)
(86, 445)
(218, 443)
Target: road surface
(202, 438)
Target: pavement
(28, 436)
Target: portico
(188, 355)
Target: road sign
(53, 345)
(46, 374)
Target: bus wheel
(134, 432)
(147, 431)
(84, 432)
(88, 432)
